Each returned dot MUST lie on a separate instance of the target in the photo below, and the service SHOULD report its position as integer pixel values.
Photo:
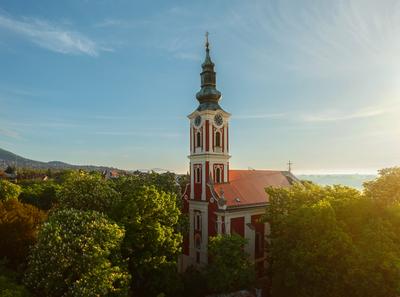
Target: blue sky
(111, 82)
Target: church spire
(208, 95)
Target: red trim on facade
(197, 186)
(212, 219)
(227, 138)
(259, 236)
(237, 226)
(185, 209)
(207, 136)
(207, 175)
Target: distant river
(351, 180)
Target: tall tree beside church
(328, 241)
(152, 242)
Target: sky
(111, 82)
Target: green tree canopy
(8, 190)
(229, 268)
(85, 191)
(152, 242)
(77, 254)
(328, 241)
(386, 188)
(41, 194)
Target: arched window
(197, 241)
(218, 175)
(198, 175)
(218, 139)
(198, 139)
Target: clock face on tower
(218, 120)
(197, 121)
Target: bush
(19, 224)
(78, 254)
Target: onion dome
(208, 96)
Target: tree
(85, 191)
(386, 188)
(9, 190)
(311, 254)
(152, 242)
(150, 216)
(19, 224)
(328, 241)
(229, 268)
(10, 170)
(78, 254)
(40, 194)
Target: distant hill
(351, 180)
(8, 158)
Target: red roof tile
(247, 187)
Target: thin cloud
(9, 133)
(120, 23)
(51, 36)
(342, 116)
(260, 116)
(139, 133)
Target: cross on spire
(207, 43)
(290, 163)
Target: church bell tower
(209, 136)
(209, 163)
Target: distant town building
(219, 200)
(110, 174)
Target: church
(218, 199)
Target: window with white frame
(217, 139)
(197, 221)
(198, 139)
(197, 174)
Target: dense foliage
(40, 194)
(19, 224)
(149, 215)
(229, 268)
(77, 254)
(105, 237)
(385, 189)
(8, 190)
(328, 241)
(10, 288)
(152, 242)
(88, 192)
